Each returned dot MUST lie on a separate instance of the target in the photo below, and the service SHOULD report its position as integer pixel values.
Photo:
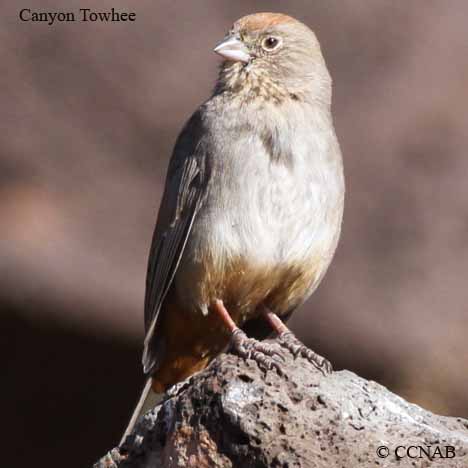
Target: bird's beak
(232, 48)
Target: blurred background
(89, 114)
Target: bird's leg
(288, 340)
(265, 355)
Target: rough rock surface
(235, 415)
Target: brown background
(89, 113)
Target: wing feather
(183, 194)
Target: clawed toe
(265, 355)
(296, 348)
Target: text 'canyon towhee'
(252, 206)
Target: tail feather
(147, 401)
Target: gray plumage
(253, 201)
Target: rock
(235, 415)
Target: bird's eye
(271, 43)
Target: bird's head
(275, 57)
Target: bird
(251, 211)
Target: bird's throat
(248, 82)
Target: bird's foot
(297, 348)
(264, 354)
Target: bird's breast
(266, 233)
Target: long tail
(147, 401)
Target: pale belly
(270, 245)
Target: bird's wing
(183, 194)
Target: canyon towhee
(252, 206)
